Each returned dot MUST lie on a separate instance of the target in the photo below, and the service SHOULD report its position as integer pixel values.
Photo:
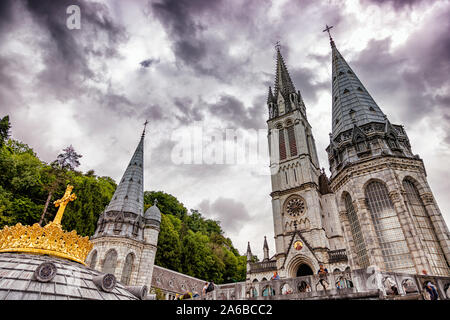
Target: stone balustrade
(356, 284)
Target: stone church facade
(126, 238)
(375, 211)
(373, 223)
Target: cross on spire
(145, 125)
(327, 29)
(277, 46)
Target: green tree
(169, 250)
(65, 161)
(167, 203)
(5, 126)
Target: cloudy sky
(203, 64)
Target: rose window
(295, 207)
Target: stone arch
(303, 286)
(344, 282)
(447, 290)
(364, 187)
(128, 268)
(409, 286)
(428, 291)
(298, 260)
(110, 261)
(268, 291)
(388, 228)
(93, 259)
(415, 182)
(355, 230)
(286, 289)
(253, 292)
(425, 226)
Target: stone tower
(386, 207)
(306, 224)
(125, 240)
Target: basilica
(376, 209)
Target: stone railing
(263, 266)
(337, 255)
(356, 284)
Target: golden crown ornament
(51, 239)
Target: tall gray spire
(352, 103)
(360, 129)
(283, 82)
(129, 195)
(284, 98)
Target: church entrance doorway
(304, 270)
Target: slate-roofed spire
(352, 103)
(129, 195)
(283, 80)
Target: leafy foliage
(4, 130)
(194, 245)
(188, 242)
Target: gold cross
(62, 203)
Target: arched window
(127, 268)
(282, 144)
(357, 235)
(389, 233)
(291, 139)
(425, 228)
(109, 266)
(93, 260)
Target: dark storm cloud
(188, 110)
(412, 69)
(397, 4)
(66, 52)
(231, 213)
(201, 32)
(229, 108)
(177, 17)
(303, 79)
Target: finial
(327, 29)
(145, 125)
(155, 202)
(277, 46)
